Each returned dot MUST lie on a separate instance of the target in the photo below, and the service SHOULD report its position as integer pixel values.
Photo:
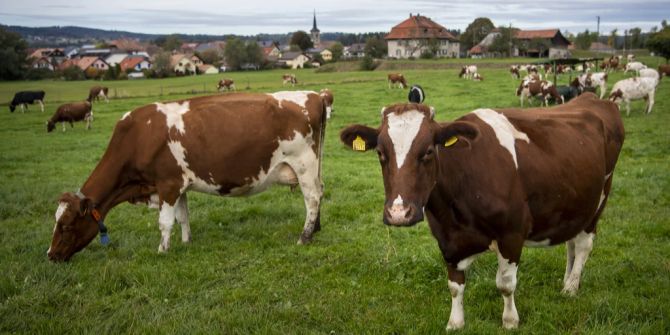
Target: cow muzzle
(400, 214)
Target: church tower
(316, 34)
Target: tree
(475, 32)
(583, 40)
(161, 66)
(235, 53)
(539, 44)
(13, 55)
(253, 54)
(659, 43)
(169, 43)
(210, 56)
(337, 49)
(376, 47)
(611, 40)
(503, 43)
(635, 38)
(302, 40)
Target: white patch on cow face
(537, 244)
(127, 114)
(297, 97)
(62, 207)
(504, 130)
(191, 181)
(174, 113)
(402, 129)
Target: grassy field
(243, 272)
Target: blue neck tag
(104, 238)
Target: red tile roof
(130, 62)
(530, 34)
(419, 27)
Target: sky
(249, 17)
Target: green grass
(243, 272)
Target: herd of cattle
(554, 168)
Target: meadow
(243, 272)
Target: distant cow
(664, 70)
(467, 71)
(635, 67)
(289, 78)
(24, 98)
(396, 79)
(72, 112)
(571, 91)
(328, 99)
(514, 71)
(594, 80)
(96, 92)
(234, 144)
(477, 77)
(498, 180)
(635, 88)
(542, 89)
(225, 84)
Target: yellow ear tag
(358, 144)
(451, 141)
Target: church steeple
(316, 34)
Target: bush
(73, 73)
(427, 55)
(368, 64)
(91, 73)
(37, 74)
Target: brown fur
(664, 70)
(72, 112)
(397, 78)
(225, 84)
(94, 93)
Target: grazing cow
(467, 71)
(289, 79)
(553, 175)
(514, 71)
(613, 64)
(230, 145)
(396, 79)
(416, 94)
(328, 99)
(571, 91)
(538, 88)
(664, 70)
(24, 98)
(650, 73)
(72, 112)
(635, 67)
(96, 92)
(593, 80)
(477, 77)
(635, 88)
(225, 85)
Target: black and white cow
(24, 98)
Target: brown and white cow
(327, 96)
(635, 88)
(72, 112)
(664, 70)
(514, 71)
(542, 89)
(594, 80)
(289, 78)
(396, 79)
(236, 144)
(96, 92)
(553, 173)
(467, 71)
(225, 85)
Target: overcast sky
(248, 17)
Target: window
(398, 52)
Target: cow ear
(85, 205)
(359, 137)
(448, 133)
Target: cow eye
(382, 157)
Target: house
(116, 58)
(207, 69)
(42, 63)
(47, 58)
(356, 50)
(271, 52)
(196, 60)
(188, 47)
(415, 35)
(218, 46)
(71, 52)
(555, 41)
(135, 63)
(558, 44)
(327, 55)
(182, 64)
(294, 60)
(127, 44)
(84, 63)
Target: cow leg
(166, 219)
(312, 190)
(457, 290)
(570, 251)
(583, 246)
(650, 102)
(41, 105)
(88, 119)
(182, 218)
(508, 250)
(603, 89)
(627, 107)
(63, 124)
(23, 106)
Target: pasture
(243, 272)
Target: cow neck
(102, 184)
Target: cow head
(408, 144)
(50, 126)
(75, 227)
(463, 72)
(616, 96)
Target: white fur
(649, 73)
(62, 207)
(403, 128)
(398, 211)
(636, 89)
(537, 244)
(457, 316)
(602, 194)
(582, 244)
(190, 180)
(165, 222)
(597, 80)
(298, 97)
(506, 283)
(505, 131)
(635, 66)
(127, 114)
(174, 113)
(466, 262)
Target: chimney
(410, 15)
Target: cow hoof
(455, 325)
(511, 323)
(162, 249)
(304, 239)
